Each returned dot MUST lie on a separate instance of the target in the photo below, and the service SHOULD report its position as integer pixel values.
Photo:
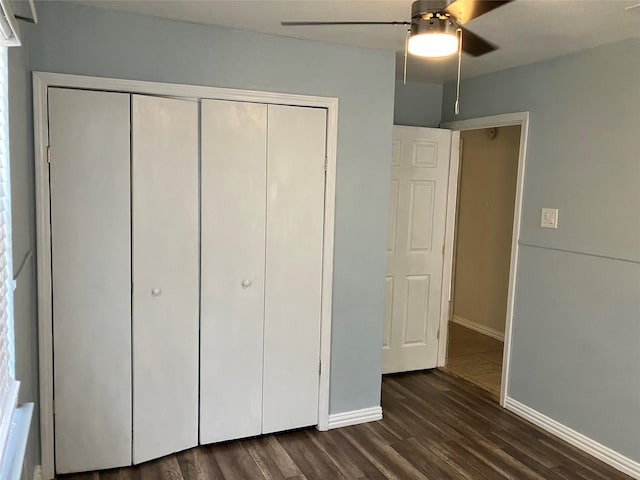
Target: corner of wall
(418, 104)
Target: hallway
(475, 357)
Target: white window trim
(7, 417)
(10, 399)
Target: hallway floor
(475, 357)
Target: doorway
(485, 343)
(419, 141)
(487, 180)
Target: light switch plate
(549, 218)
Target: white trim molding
(478, 327)
(355, 417)
(37, 472)
(521, 119)
(577, 439)
(41, 82)
(449, 249)
(13, 462)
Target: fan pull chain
(457, 106)
(406, 48)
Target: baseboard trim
(355, 417)
(483, 329)
(578, 440)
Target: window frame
(8, 398)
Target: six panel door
(415, 247)
(166, 294)
(91, 278)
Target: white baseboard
(584, 443)
(483, 329)
(355, 417)
(37, 472)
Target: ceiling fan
(435, 30)
(433, 26)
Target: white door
(164, 142)
(295, 215)
(234, 137)
(418, 202)
(91, 271)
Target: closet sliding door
(165, 245)
(234, 136)
(91, 278)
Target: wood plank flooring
(434, 427)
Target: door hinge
(53, 406)
(326, 161)
(48, 154)
(320, 367)
(438, 335)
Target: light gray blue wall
(23, 233)
(418, 104)
(85, 40)
(576, 328)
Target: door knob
(156, 292)
(246, 283)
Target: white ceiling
(527, 31)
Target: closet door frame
(41, 82)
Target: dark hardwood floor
(434, 427)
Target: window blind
(8, 385)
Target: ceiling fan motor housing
(422, 7)
(433, 25)
(427, 17)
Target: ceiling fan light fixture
(433, 44)
(433, 37)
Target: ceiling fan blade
(299, 24)
(466, 10)
(475, 45)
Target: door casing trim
(503, 120)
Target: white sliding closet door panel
(295, 215)
(165, 275)
(91, 271)
(233, 239)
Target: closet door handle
(246, 283)
(156, 292)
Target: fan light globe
(433, 44)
